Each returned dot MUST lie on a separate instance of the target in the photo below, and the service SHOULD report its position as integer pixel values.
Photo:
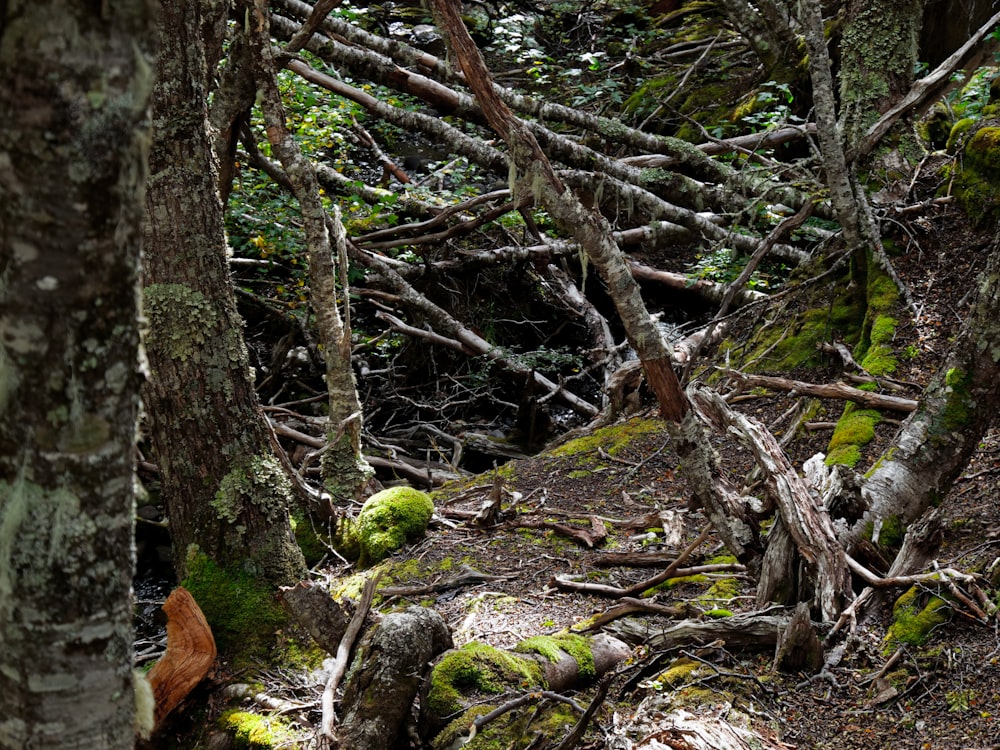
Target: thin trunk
(346, 474)
(72, 166)
(224, 489)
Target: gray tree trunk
(74, 83)
(956, 409)
(225, 490)
(346, 473)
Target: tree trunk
(878, 52)
(346, 473)
(74, 83)
(956, 409)
(224, 489)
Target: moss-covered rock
(391, 518)
(976, 184)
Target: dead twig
(328, 725)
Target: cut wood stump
(190, 653)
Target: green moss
(793, 344)
(612, 439)
(681, 672)
(552, 647)
(243, 613)
(914, 617)
(391, 518)
(935, 129)
(252, 731)
(855, 429)
(975, 185)
(958, 406)
(722, 591)
(477, 667)
(718, 613)
(845, 455)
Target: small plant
(771, 108)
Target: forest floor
(943, 694)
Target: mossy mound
(915, 615)
(391, 518)
(252, 731)
(977, 184)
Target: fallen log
(751, 630)
(826, 390)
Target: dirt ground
(945, 694)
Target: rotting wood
(808, 523)
(189, 656)
(587, 537)
(630, 606)
(312, 607)
(342, 659)
(750, 630)
(798, 647)
(566, 583)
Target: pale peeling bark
(224, 488)
(74, 83)
(346, 473)
(958, 406)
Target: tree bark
(389, 666)
(878, 52)
(74, 85)
(225, 490)
(346, 474)
(957, 407)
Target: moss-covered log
(468, 680)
